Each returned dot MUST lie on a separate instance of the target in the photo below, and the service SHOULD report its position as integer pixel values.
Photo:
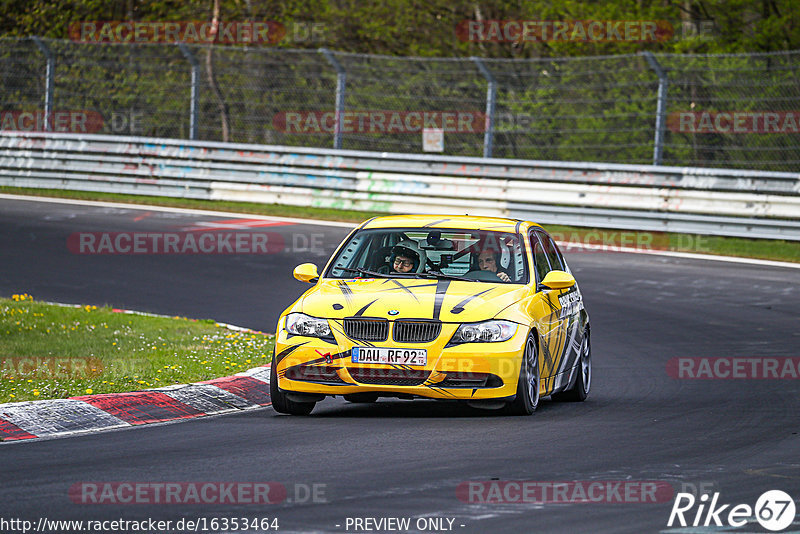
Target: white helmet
(411, 250)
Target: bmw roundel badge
(393, 312)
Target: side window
(540, 262)
(553, 254)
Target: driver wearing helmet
(407, 257)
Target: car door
(571, 302)
(551, 317)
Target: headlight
(485, 332)
(301, 324)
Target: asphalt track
(407, 459)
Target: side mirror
(558, 280)
(306, 272)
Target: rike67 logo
(774, 510)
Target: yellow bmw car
(477, 309)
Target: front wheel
(527, 399)
(280, 402)
(580, 390)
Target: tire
(527, 399)
(280, 402)
(580, 390)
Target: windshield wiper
(440, 274)
(429, 274)
(364, 271)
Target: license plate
(389, 356)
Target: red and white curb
(91, 413)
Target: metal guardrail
(696, 200)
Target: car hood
(392, 298)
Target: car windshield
(475, 255)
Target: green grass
(768, 249)
(49, 351)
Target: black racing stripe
(439, 390)
(288, 350)
(548, 357)
(346, 291)
(401, 286)
(407, 289)
(434, 223)
(441, 290)
(458, 308)
(360, 312)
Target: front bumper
(469, 371)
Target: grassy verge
(726, 246)
(49, 351)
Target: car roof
(467, 222)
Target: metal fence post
(491, 92)
(661, 108)
(341, 77)
(49, 81)
(193, 98)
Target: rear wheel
(580, 390)
(527, 399)
(280, 402)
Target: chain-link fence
(737, 111)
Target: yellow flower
(88, 391)
(35, 392)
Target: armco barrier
(697, 200)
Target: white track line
(168, 209)
(318, 222)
